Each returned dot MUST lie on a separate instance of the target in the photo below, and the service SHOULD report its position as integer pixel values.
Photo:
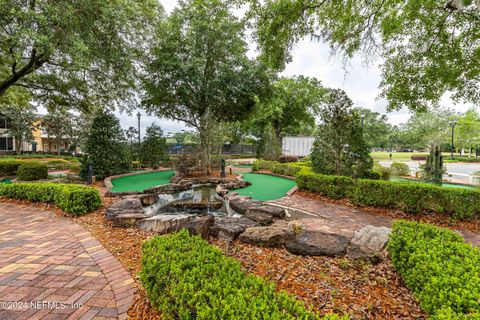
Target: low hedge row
(9, 167)
(75, 199)
(30, 171)
(406, 196)
(187, 278)
(288, 169)
(438, 266)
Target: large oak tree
(200, 73)
(430, 47)
(73, 53)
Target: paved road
(459, 171)
(52, 268)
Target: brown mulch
(438, 219)
(325, 284)
(331, 285)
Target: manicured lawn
(265, 187)
(396, 156)
(140, 182)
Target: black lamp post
(138, 117)
(452, 124)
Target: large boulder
(200, 226)
(166, 223)
(259, 216)
(267, 236)
(168, 188)
(241, 205)
(369, 242)
(319, 242)
(130, 206)
(148, 199)
(229, 228)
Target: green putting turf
(140, 182)
(265, 187)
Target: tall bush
(105, 147)
(339, 147)
(153, 148)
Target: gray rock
(168, 188)
(127, 220)
(200, 226)
(368, 242)
(259, 216)
(148, 199)
(230, 227)
(274, 211)
(241, 204)
(221, 191)
(166, 223)
(127, 206)
(319, 243)
(267, 236)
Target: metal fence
(225, 149)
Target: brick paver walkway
(52, 268)
(341, 217)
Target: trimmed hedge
(288, 169)
(31, 171)
(415, 198)
(187, 278)
(442, 270)
(9, 167)
(335, 187)
(406, 196)
(71, 198)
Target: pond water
(200, 200)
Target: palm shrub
(439, 267)
(433, 169)
(187, 278)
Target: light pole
(452, 124)
(138, 117)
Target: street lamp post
(452, 124)
(138, 117)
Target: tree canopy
(376, 129)
(73, 53)
(430, 47)
(200, 73)
(291, 108)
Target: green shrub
(439, 267)
(382, 172)
(58, 164)
(287, 169)
(186, 278)
(70, 198)
(406, 196)
(415, 198)
(400, 169)
(9, 167)
(335, 187)
(31, 171)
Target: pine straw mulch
(438, 219)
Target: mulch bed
(437, 219)
(325, 284)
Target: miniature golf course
(142, 181)
(265, 187)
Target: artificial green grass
(142, 181)
(265, 187)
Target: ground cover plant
(71, 198)
(439, 267)
(187, 278)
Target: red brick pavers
(52, 268)
(327, 215)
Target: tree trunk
(205, 149)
